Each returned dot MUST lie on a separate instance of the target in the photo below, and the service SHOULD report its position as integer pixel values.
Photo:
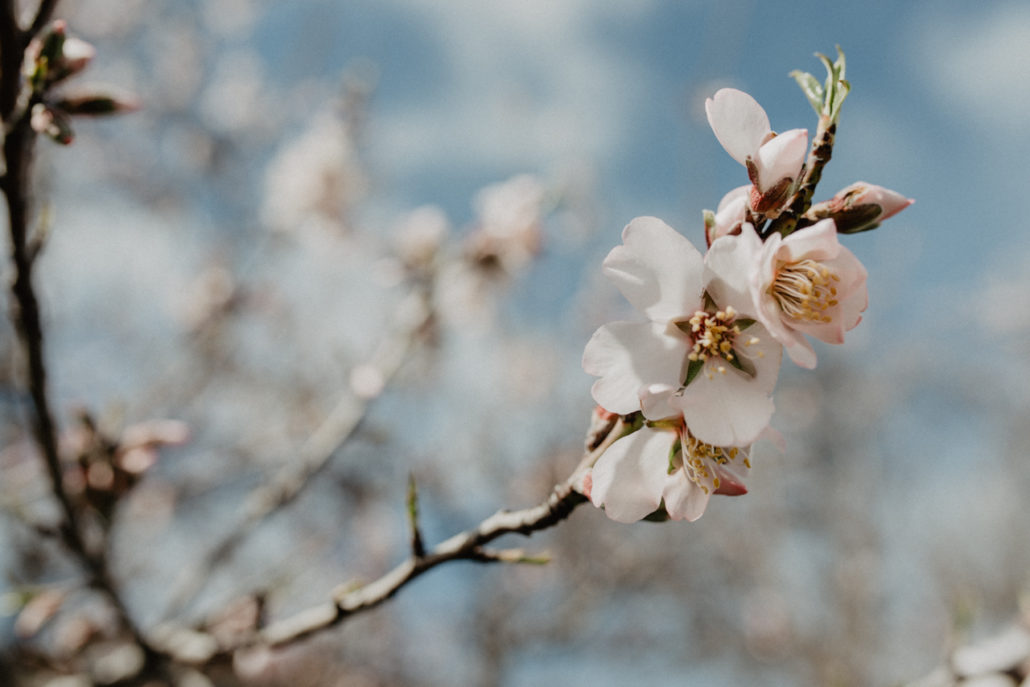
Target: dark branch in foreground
(17, 150)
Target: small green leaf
(692, 369)
(744, 322)
(811, 87)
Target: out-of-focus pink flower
(860, 207)
(773, 161)
(806, 283)
(701, 355)
(665, 465)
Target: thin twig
(818, 157)
(411, 321)
(467, 545)
(418, 547)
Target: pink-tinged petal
(684, 500)
(657, 269)
(890, 202)
(734, 198)
(729, 485)
(729, 264)
(780, 157)
(817, 242)
(731, 213)
(768, 311)
(731, 408)
(738, 121)
(628, 356)
(629, 477)
(852, 297)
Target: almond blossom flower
(806, 283)
(664, 464)
(701, 355)
(773, 161)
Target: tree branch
(411, 321)
(467, 545)
(17, 151)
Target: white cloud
(979, 63)
(528, 84)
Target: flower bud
(52, 122)
(53, 56)
(859, 207)
(98, 104)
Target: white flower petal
(628, 479)
(684, 500)
(780, 157)
(654, 401)
(657, 269)
(628, 356)
(732, 408)
(817, 242)
(729, 264)
(738, 121)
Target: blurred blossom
(314, 181)
(420, 235)
(508, 219)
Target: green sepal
(744, 322)
(631, 423)
(742, 364)
(676, 447)
(660, 515)
(692, 370)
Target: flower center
(713, 334)
(700, 459)
(805, 290)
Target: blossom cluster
(694, 379)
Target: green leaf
(692, 369)
(811, 87)
(744, 322)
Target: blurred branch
(43, 14)
(411, 323)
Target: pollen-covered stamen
(700, 461)
(713, 334)
(805, 290)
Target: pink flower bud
(859, 207)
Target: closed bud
(859, 207)
(52, 122)
(53, 56)
(98, 104)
